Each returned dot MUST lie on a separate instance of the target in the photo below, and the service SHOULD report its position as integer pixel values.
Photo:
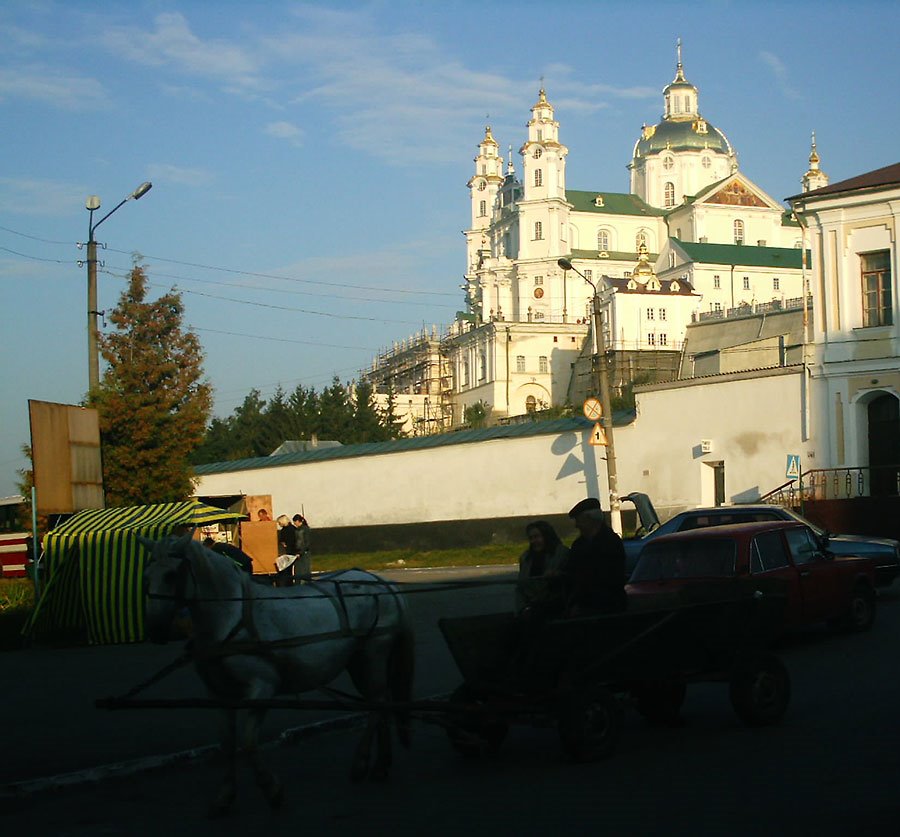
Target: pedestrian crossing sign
(792, 472)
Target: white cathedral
(693, 238)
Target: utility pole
(91, 204)
(602, 383)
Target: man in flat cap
(596, 567)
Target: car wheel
(473, 734)
(660, 702)
(760, 690)
(861, 611)
(590, 724)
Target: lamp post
(91, 205)
(615, 514)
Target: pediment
(739, 192)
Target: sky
(309, 160)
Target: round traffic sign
(593, 409)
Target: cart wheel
(473, 735)
(590, 723)
(760, 690)
(660, 702)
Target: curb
(124, 769)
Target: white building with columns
(692, 237)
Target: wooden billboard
(65, 456)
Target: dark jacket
(596, 573)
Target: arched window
(738, 232)
(538, 230)
(603, 240)
(669, 190)
(482, 209)
(530, 404)
(538, 177)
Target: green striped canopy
(93, 566)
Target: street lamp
(91, 204)
(615, 515)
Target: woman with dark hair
(539, 588)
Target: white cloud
(32, 196)
(286, 131)
(168, 173)
(54, 87)
(779, 71)
(173, 43)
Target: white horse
(255, 642)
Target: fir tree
(153, 401)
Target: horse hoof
(220, 808)
(275, 798)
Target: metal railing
(749, 310)
(844, 483)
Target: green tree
(389, 418)
(153, 401)
(476, 415)
(368, 424)
(335, 415)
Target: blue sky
(309, 160)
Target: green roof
(743, 254)
(438, 440)
(681, 135)
(614, 203)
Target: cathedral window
(538, 177)
(482, 209)
(876, 288)
(738, 232)
(776, 284)
(717, 282)
(537, 153)
(530, 404)
(538, 280)
(662, 313)
(540, 135)
(651, 339)
(542, 364)
(602, 240)
(663, 339)
(669, 191)
(589, 275)
(746, 283)
(520, 363)
(538, 231)
(668, 162)
(482, 367)
(705, 161)
(639, 239)
(649, 313)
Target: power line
(35, 258)
(281, 339)
(286, 278)
(34, 237)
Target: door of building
(884, 446)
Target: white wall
(753, 423)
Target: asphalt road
(52, 727)
(832, 767)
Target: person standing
(596, 567)
(302, 568)
(287, 552)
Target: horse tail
(401, 668)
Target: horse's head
(168, 582)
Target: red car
(774, 557)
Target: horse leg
(266, 780)
(228, 791)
